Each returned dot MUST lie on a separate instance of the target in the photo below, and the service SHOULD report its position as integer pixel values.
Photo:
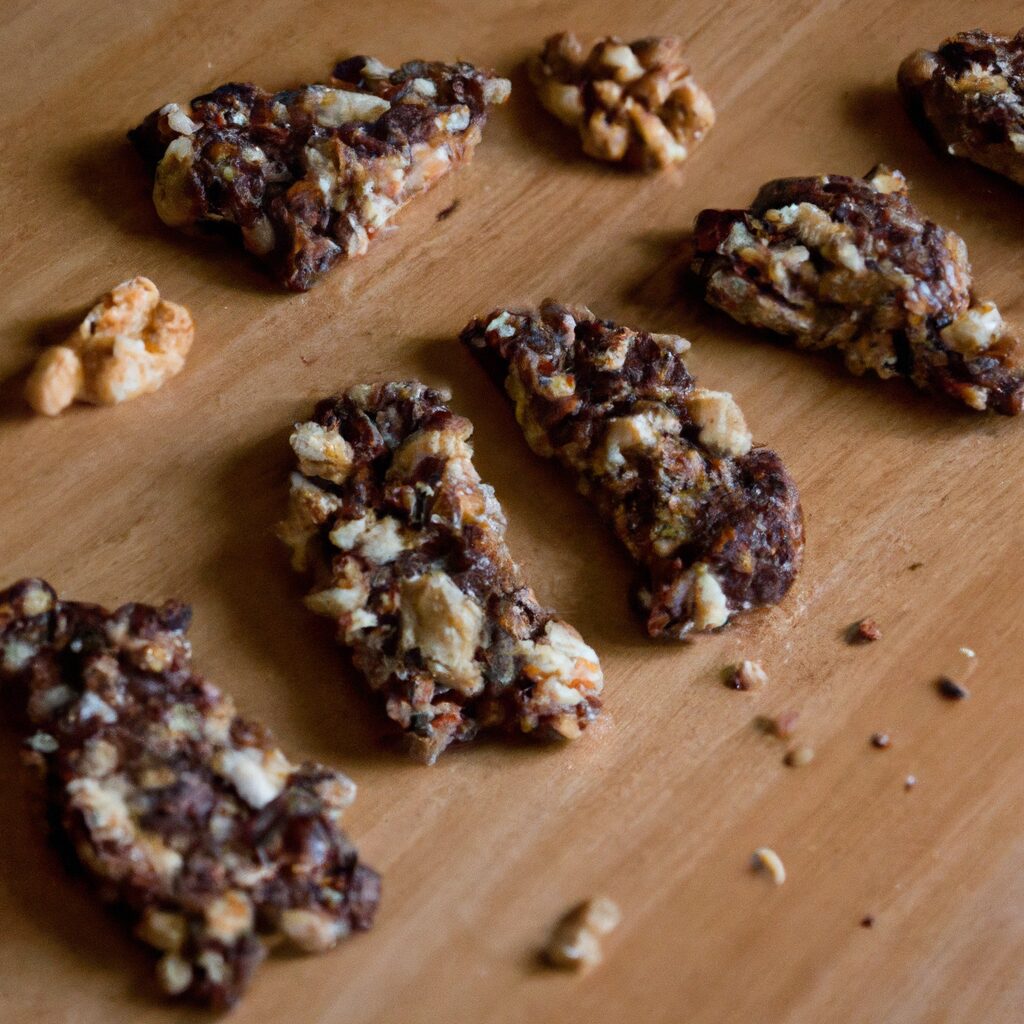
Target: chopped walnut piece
(130, 344)
(180, 811)
(575, 942)
(634, 103)
(864, 631)
(747, 675)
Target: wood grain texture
(661, 806)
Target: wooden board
(661, 806)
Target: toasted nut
(574, 943)
(766, 859)
(747, 675)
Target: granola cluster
(714, 522)
(969, 97)
(850, 263)
(131, 342)
(309, 175)
(406, 549)
(634, 103)
(184, 814)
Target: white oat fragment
(766, 859)
(575, 941)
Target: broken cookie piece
(130, 344)
(634, 103)
(714, 522)
(850, 263)
(407, 554)
(969, 97)
(185, 815)
(310, 175)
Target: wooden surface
(661, 805)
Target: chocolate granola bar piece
(968, 96)
(185, 815)
(309, 175)
(407, 554)
(850, 263)
(632, 103)
(714, 522)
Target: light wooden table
(661, 806)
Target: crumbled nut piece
(130, 344)
(910, 782)
(881, 740)
(865, 631)
(142, 758)
(768, 860)
(715, 524)
(968, 97)
(634, 103)
(575, 941)
(747, 675)
(407, 555)
(951, 689)
(798, 757)
(851, 264)
(309, 176)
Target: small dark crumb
(798, 757)
(880, 740)
(308, 362)
(910, 782)
(448, 210)
(952, 690)
(867, 921)
(915, 565)
(863, 632)
(781, 726)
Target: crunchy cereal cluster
(407, 552)
(186, 815)
(850, 263)
(131, 342)
(634, 103)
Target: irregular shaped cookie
(969, 97)
(310, 175)
(183, 814)
(634, 103)
(130, 344)
(714, 522)
(406, 549)
(850, 263)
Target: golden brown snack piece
(130, 344)
(185, 815)
(968, 96)
(634, 103)
(850, 263)
(407, 553)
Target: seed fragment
(863, 632)
(767, 860)
(880, 740)
(951, 689)
(747, 675)
(799, 756)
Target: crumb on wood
(781, 726)
(914, 566)
(575, 942)
(746, 675)
(799, 756)
(867, 921)
(881, 740)
(767, 860)
(864, 632)
(448, 210)
(910, 782)
(951, 689)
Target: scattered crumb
(784, 724)
(910, 782)
(952, 690)
(448, 210)
(799, 756)
(863, 632)
(914, 566)
(967, 652)
(880, 740)
(768, 860)
(575, 941)
(747, 675)
(867, 921)
(308, 361)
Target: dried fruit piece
(846, 263)
(183, 813)
(714, 522)
(309, 176)
(968, 96)
(634, 103)
(131, 342)
(575, 943)
(406, 549)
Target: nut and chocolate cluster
(309, 175)
(850, 263)
(634, 103)
(406, 549)
(183, 813)
(969, 97)
(129, 344)
(714, 522)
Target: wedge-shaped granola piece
(714, 522)
(183, 814)
(406, 549)
(310, 175)
(969, 97)
(850, 263)
(634, 103)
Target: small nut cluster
(634, 103)
(575, 943)
(131, 342)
